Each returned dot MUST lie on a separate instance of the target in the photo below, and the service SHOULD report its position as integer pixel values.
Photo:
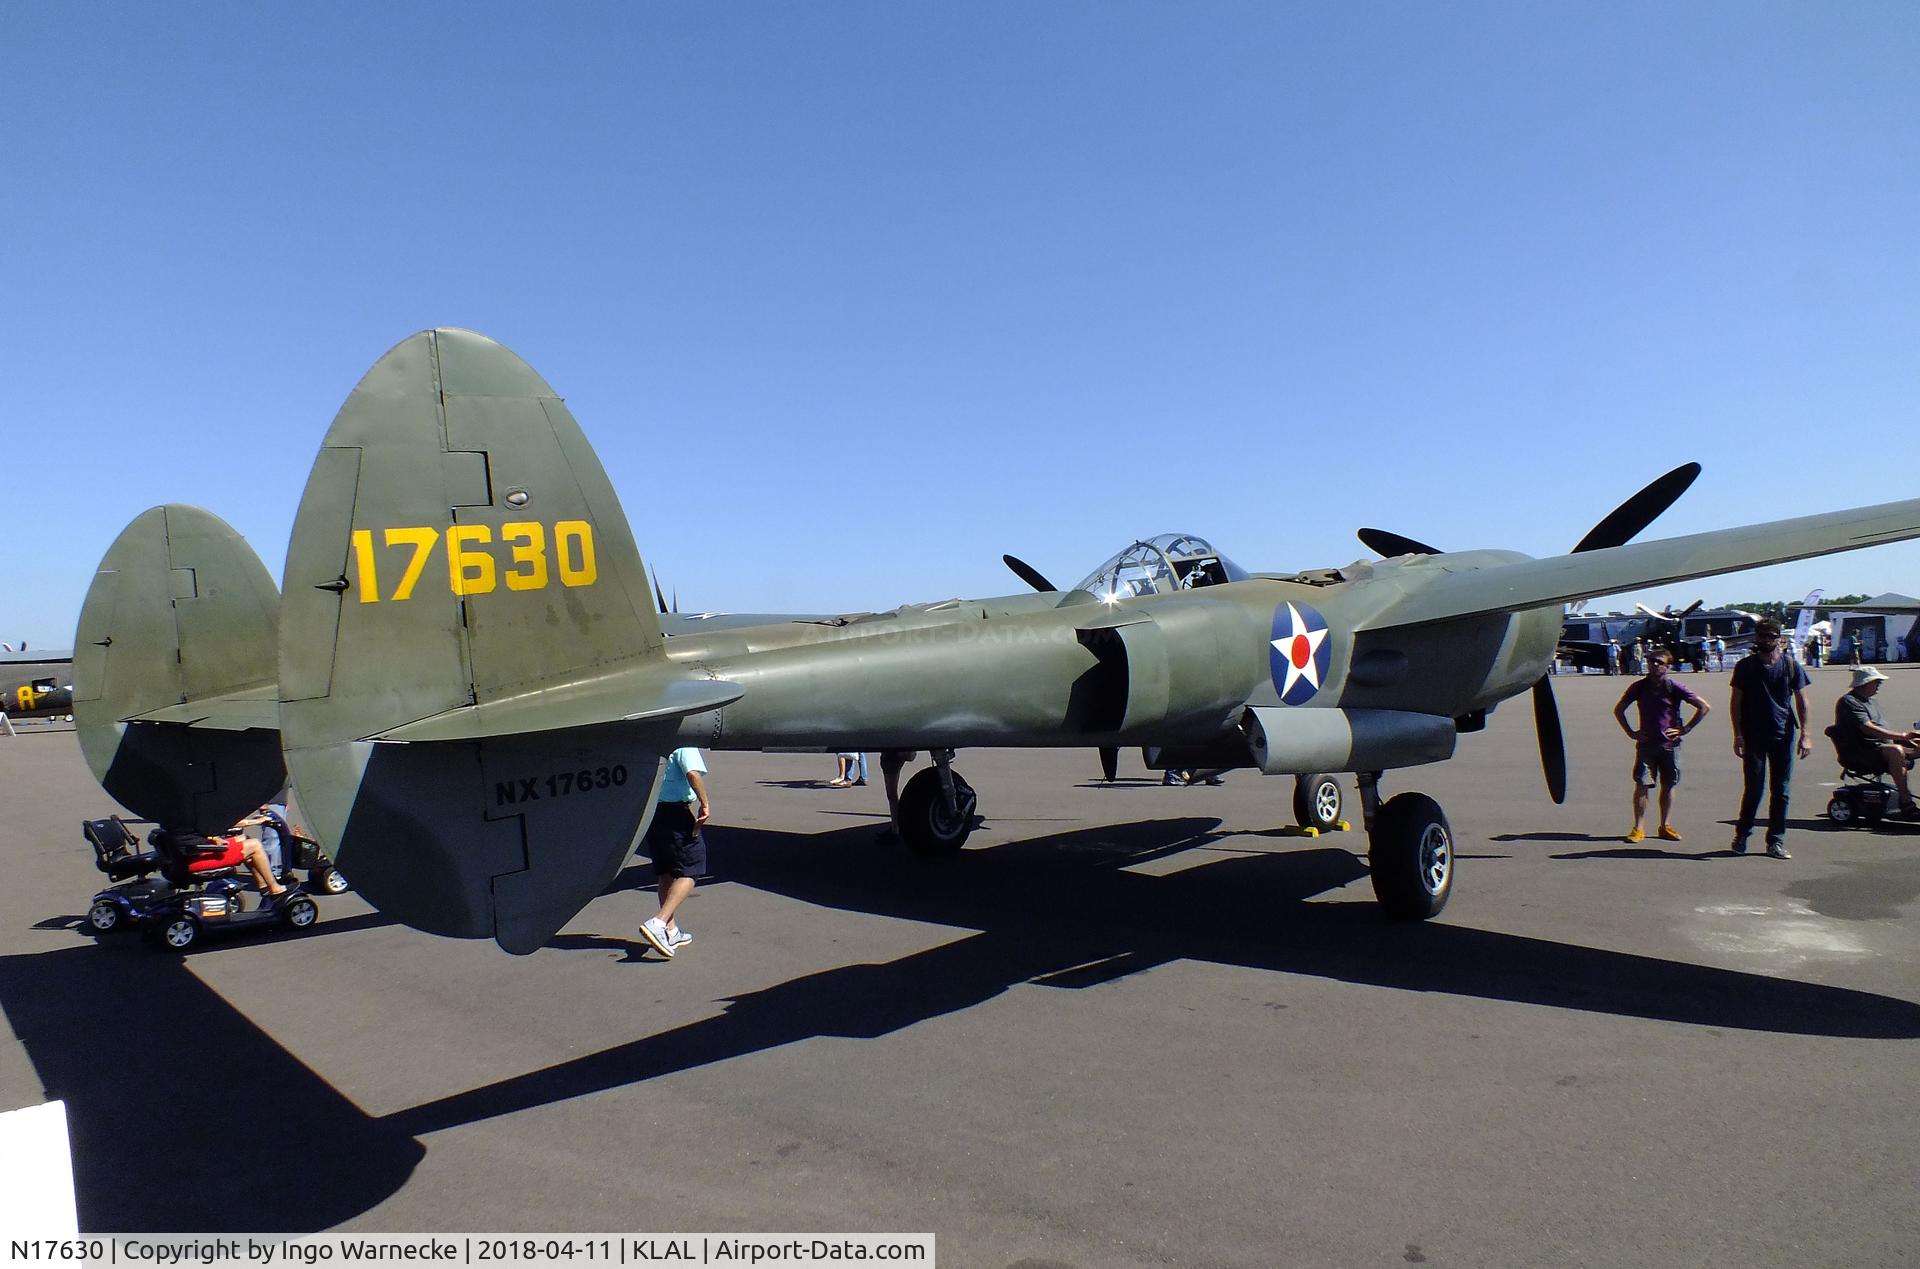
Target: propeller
(1031, 576)
(1109, 764)
(1619, 527)
(1670, 614)
(1639, 511)
(1388, 544)
(1553, 745)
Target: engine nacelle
(1288, 741)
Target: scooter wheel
(180, 933)
(105, 917)
(1839, 810)
(302, 912)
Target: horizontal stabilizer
(577, 705)
(257, 709)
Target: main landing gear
(937, 808)
(1410, 851)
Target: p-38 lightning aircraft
(472, 689)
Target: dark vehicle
(1861, 797)
(168, 880)
(182, 919)
(1688, 638)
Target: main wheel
(104, 916)
(301, 912)
(926, 825)
(1411, 855)
(1316, 802)
(180, 933)
(1839, 810)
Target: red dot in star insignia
(1302, 652)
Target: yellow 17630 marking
(474, 571)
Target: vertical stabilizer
(459, 546)
(173, 666)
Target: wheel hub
(1436, 858)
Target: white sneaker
(678, 937)
(655, 932)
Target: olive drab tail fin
(173, 668)
(474, 697)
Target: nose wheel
(1316, 802)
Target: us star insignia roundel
(1300, 652)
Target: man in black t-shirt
(1867, 744)
(1769, 709)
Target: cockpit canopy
(1160, 566)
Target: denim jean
(1770, 762)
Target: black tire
(1839, 810)
(1316, 802)
(301, 911)
(1411, 856)
(178, 933)
(105, 916)
(329, 881)
(925, 824)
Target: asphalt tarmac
(1129, 1025)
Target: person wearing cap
(1769, 709)
(1867, 745)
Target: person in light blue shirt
(676, 845)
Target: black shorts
(675, 843)
(1868, 761)
(1650, 762)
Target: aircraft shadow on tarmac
(174, 1097)
(1061, 911)
(181, 1113)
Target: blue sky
(852, 298)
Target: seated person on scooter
(1867, 745)
(204, 856)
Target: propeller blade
(1031, 576)
(659, 596)
(1388, 544)
(1639, 511)
(1110, 764)
(1690, 609)
(1650, 612)
(1553, 746)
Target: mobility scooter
(196, 892)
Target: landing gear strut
(1410, 851)
(937, 808)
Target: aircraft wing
(1558, 579)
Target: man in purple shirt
(1656, 743)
